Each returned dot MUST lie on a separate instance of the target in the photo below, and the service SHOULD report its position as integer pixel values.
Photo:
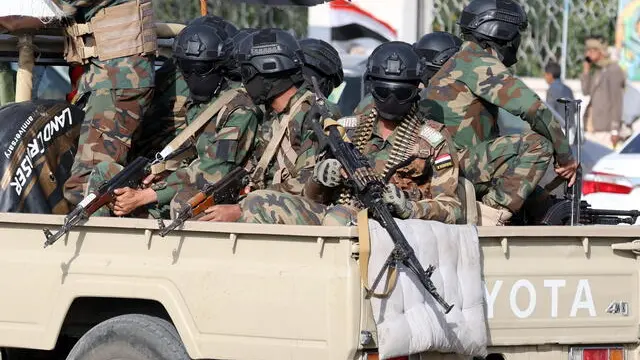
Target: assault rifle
(225, 191)
(368, 188)
(130, 176)
(571, 210)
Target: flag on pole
(350, 22)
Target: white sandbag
(409, 321)
(42, 9)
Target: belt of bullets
(401, 148)
(405, 140)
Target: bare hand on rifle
(128, 199)
(222, 213)
(568, 171)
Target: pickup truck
(246, 291)
(113, 289)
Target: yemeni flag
(350, 22)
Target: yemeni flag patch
(443, 161)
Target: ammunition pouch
(114, 32)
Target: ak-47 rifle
(368, 188)
(130, 176)
(572, 210)
(225, 191)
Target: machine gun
(368, 189)
(225, 191)
(572, 210)
(130, 176)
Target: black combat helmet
(323, 62)
(271, 62)
(199, 53)
(232, 69)
(217, 22)
(393, 75)
(434, 50)
(496, 24)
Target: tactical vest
(116, 31)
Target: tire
(130, 337)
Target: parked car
(614, 181)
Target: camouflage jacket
(292, 175)
(430, 179)
(131, 72)
(473, 84)
(166, 117)
(224, 143)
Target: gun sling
(280, 128)
(365, 252)
(189, 131)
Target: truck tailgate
(562, 285)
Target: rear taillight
(596, 182)
(596, 353)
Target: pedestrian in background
(557, 89)
(603, 80)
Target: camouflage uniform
(119, 92)
(224, 143)
(430, 180)
(166, 116)
(470, 89)
(283, 197)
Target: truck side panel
(244, 293)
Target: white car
(614, 181)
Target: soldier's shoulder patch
(443, 161)
(348, 122)
(431, 135)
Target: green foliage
(242, 15)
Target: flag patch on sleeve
(443, 161)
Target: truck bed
(247, 291)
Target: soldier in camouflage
(118, 79)
(271, 64)
(224, 142)
(322, 61)
(414, 153)
(471, 86)
(166, 117)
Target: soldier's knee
(340, 216)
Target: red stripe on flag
(347, 6)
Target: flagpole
(203, 7)
(565, 35)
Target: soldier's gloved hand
(398, 200)
(327, 172)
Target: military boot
(491, 216)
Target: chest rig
(402, 147)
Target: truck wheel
(130, 337)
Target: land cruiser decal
(39, 141)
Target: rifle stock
(130, 176)
(225, 191)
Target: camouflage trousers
(274, 207)
(506, 170)
(105, 171)
(111, 118)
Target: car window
(633, 147)
(49, 81)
